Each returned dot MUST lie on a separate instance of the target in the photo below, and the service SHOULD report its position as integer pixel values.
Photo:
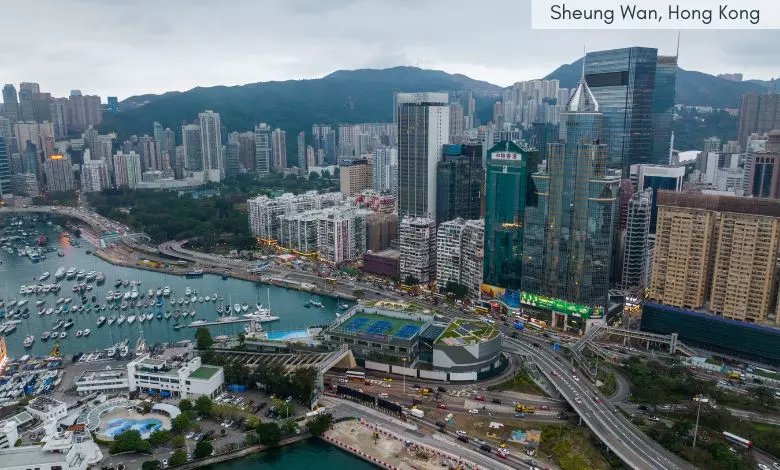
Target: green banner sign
(560, 306)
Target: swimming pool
(287, 335)
(144, 426)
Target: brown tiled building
(717, 253)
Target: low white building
(46, 409)
(8, 434)
(109, 382)
(69, 450)
(179, 377)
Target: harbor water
(311, 453)
(288, 305)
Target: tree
(303, 381)
(321, 423)
(457, 289)
(203, 338)
(289, 427)
(180, 423)
(178, 442)
(314, 176)
(130, 441)
(268, 433)
(286, 409)
(203, 404)
(159, 437)
(177, 458)
(185, 405)
(203, 449)
(151, 465)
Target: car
(474, 411)
(544, 407)
(387, 379)
(596, 399)
(441, 406)
(575, 378)
(654, 418)
(190, 435)
(383, 395)
(761, 466)
(578, 400)
(463, 438)
(164, 463)
(555, 374)
(386, 385)
(440, 424)
(642, 408)
(497, 401)
(441, 389)
(415, 386)
(461, 432)
(343, 381)
(479, 397)
(776, 465)
(485, 447)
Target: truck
(425, 392)
(520, 408)
(417, 413)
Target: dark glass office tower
(5, 168)
(663, 107)
(623, 83)
(570, 230)
(507, 188)
(460, 181)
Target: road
(632, 446)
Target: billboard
(509, 297)
(560, 306)
(512, 156)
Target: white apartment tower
(211, 145)
(418, 249)
(263, 149)
(460, 255)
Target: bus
(740, 441)
(331, 280)
(356, 375)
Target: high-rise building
(94, 176)
(623, 83)
(717, 252)
(26, 105)
(758, 114)
(543, 133)
(190, 136)
(246, 151)
(663, 106)
(11, 103)
(41, 105)
(279, 148)
(264, 212)
(157, 132)
(569, 230)
(506, 193)
(301, 154)
(347, 140)
(59, 116)
(263, 150)
(657, 178)
(150, 153)
(39, 134)
(763, 169)
(232, 150)
(355, 177)
(460, 181)
(460, 255)
(341, 234)
(211, 145)
(637, 242)
(417, 240)
(59, 173)
(127, 169)
(5, 168)
(423, 129)
(25, 184)
(113, 104)
(385, 170)
(83, 111)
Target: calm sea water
(312, 453)
(16, 271)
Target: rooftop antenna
(677, 52)
(584, 54)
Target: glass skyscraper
(569, 231)
(5, 168)
(460, 179)
(506, 191)
(623, 83)
(663, 107)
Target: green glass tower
(506, 197)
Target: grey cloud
(141, 46)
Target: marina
(116, 303)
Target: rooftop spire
(582, 100)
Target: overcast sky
(128, 47)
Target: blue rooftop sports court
(372, 324)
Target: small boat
(91, 276)
(176, 314)
(193, 299)
(81, 274)
(68, 324)
(181, 300)
(188, 291)
(166, 291)
(111, 320)
(149, 293)
(63, 335)
(343, 307)
(100, 278)
(121, 319)
(59, 273)
(101, 321)
(124, 349)
(45, 336)
(118, 283)
(38, 303)
(70, 273)
(158, 293)
(222, 338)
(79, 333)
(194, 273)
(178, 326)
(200, 299)
(41, 278)
(21, 303)
(130, 319)
(244, 307)
(198, 323)
(60, 253)
(86, 332)
(237, 308)
(167, 315)
(159, 316)
(28, 341)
